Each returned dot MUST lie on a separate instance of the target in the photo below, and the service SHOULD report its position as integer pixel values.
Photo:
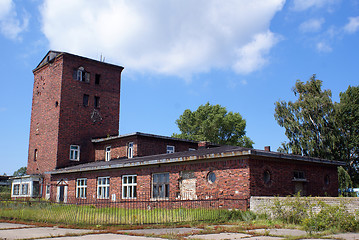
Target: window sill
(299, 180)
(160, 199)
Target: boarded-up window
(188, 185)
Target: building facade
(77, 154)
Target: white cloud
(167, 37)
(252, 55)
(10, 24)
(353, 25)
(311, 25)
(302, 5)
(323, 47)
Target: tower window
(35, 155)
(97, 102)
(86, 100)
(75, 153)
(108, 153)
(81, 75)
(97, 79)
(130, 150)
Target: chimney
(267, 148)
(202, 144)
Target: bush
(331, 217)
(5, 192)
(292, 210)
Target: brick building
(76, 153)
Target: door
(61, 193)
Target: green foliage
(313, 216)
(214, 124)
(293, 210)
(331, 217)
(344, 182)
(5, 192)
(308, 121)
(347, 119)
(20, 172)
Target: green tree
(344, 181)
(214, 124)
(347, 119)
(309, 121)
(20, 172)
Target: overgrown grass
(314, 216)
(91, 215)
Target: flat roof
(98, 140)
(189, 156)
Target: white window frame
(25, 189)
(129, 186)
(16, 189)
(130, 150)
(81, 188)
(103, 187)
(108, 153)
(74, 152)
(170, 149)
(161, 189)
(48, 191)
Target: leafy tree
(214, 124)
(20, 172)
(309, 121)
(347, 119)
(344, 181)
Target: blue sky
(244, 55)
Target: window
(103, 187)
(170, 149)
(85, 100)
(130, 150)
(327, 180)
(108, 153)
(129, 186)
(97, 79)
(48, 188)
(97, 102)
(35, 154)
(16, 189)
(81, 75)
(211, 177)
(299, 175)
(160, 185)
(25, 189)
(266, 176)
(75, 153)
(81, 188)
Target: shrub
(291, 210)
(331, 217)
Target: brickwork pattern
(281, 178)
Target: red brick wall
(76, 126)
(142, 145)
(235, 179)
(282, 173)
(151, 146)
(232, 180)
(58, 117)
(45, 118)
(118, 148)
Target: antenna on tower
(102, 58)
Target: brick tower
(74, 100)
